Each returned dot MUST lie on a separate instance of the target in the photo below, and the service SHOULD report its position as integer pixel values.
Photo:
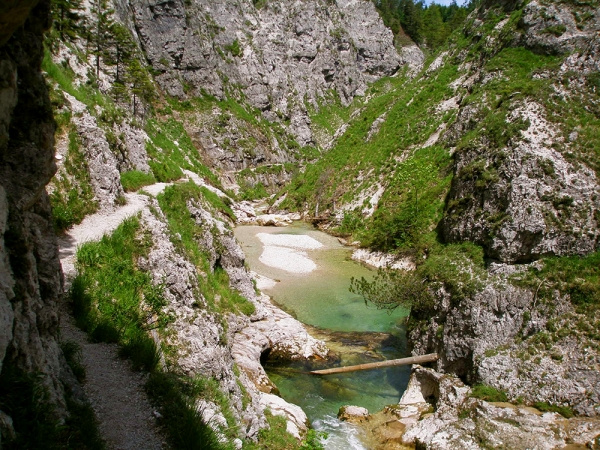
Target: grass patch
(85, 93)
(171, 150)
(135, 180)
(175, 397)
(577, 276)
(112, 300)
(107, 295)
(276, 437)
(564, 411)
(72, 352)
(25, 399)
(73, 197)
(488, 393)
(416, 181)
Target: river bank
(318, 296)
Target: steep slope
(279, 57)
(175, 269)
(495, 143)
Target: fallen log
(376, 365)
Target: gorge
(135, 138)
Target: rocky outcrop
(525, 189)
(555, 29)
(461, 421)
(282, 57)
(30, 276)
(525, 201)
(507, 337)
(227, 348)
(382, 260)
(353, 413)
(101, 162)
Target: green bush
(134, 180)
(142, 351)
(488, 393)
(390, 289)
(564, 411)
(276, 437)
(234, 48)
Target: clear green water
(321, 299)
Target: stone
(460, 421)
(353, 413)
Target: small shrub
(390, 289)
(81, 302)
(564, 411)
(556, 30)
(488, 393)
(105, 332)
(142, 351)
(180, 419)
(234, 48)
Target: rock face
(532, 192)
(505, 336)
(460, 421)
(283, 57)
(30, 276)
(538, 203)
(353, 413)
(206, 343)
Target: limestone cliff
(30, 275)
(282, 58)
(532, 192)
(524, 191)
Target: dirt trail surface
(116, 393)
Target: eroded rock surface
(30, 276)
(438, 412)
(281, 55)
(205, 345)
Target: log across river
(430, 357)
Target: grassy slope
(417, 178)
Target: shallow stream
(320, 298)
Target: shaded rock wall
(30, 275)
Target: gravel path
(125, 416)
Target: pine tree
(411, 19)
(100, 36)
(141, 85)
(67, 21)
(435, 30)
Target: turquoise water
(357, 332)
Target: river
(312, 272)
